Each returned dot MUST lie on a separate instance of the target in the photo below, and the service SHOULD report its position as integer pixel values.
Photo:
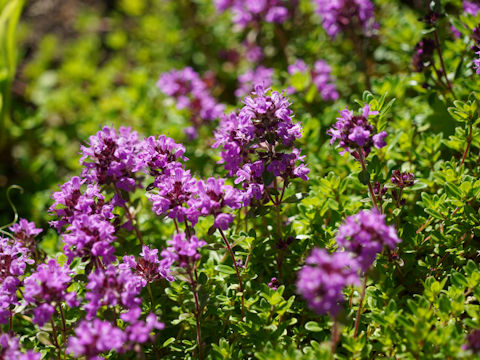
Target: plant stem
(130, 216)
(197, 313)
(149, 288)
(240, 283)
(439, 51)
(54, 336)
(370, 189)
(335, 336)
(469, 141)
(359, 311)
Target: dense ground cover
(239, 179)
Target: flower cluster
(115, 285)
(261, 138)
(253, 77)
(148, 265)
(94, 338)
(402, 179)
(190, 92)
(470, 7)
(70, 203)
(213, 196)
(13, 262)
(182, 250)
(248, 11)
(355, 133)
(473, 342)
(111, 158)
(423, 54)
(90, 237)
(346, 16)
(365, 234)
(320, 75)
(10, 350)
(25, 233)
(322, 280)
(46, 288)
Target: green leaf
(313, 326)
(364, 177)
(225, 269)
(453, 191)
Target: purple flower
(324, 277)
(25, 233)
(161, 155)
(473, 342)
(115, 286)
(190, 92)
(298, 67)
(89, 237)
(423, 54)
(212, 198)
(148, 265)
(273, 284)
(259, 138)
(223, 221)
(93, 338)
(253, 53)
(13, 262)
(343, 15)
(250, 79)
(182, 251)
(402, 179)
(71, 201)
(247, 11)
(365, 234)
(46, 287)
(476, 63)
(10, 350)
(469, 7)
(111, 158)
(173, 195)
(139, 331)
(323, 81)
(355, 133)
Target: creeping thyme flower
(116, 285)
(10, 350)
(182, 251)
(346, 16)
(47, 287)
(322, 80)
(253, 52)
(93, 338)
(214, 196)
(111, 158)
(250, 79)
(13, 262)
(25, 233)
(423, 54)
(470, 7)
(473, 342)
(365, 234)
(139, 331)
(190, 92)
(273, 284)
(148, 265)
(261, 137)
(320, 75)
(248, 11)
(173, 195)
(161, 155)
(402, 179)
(476, 63)
(355, 133)
(89, 237)
(322, 280)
